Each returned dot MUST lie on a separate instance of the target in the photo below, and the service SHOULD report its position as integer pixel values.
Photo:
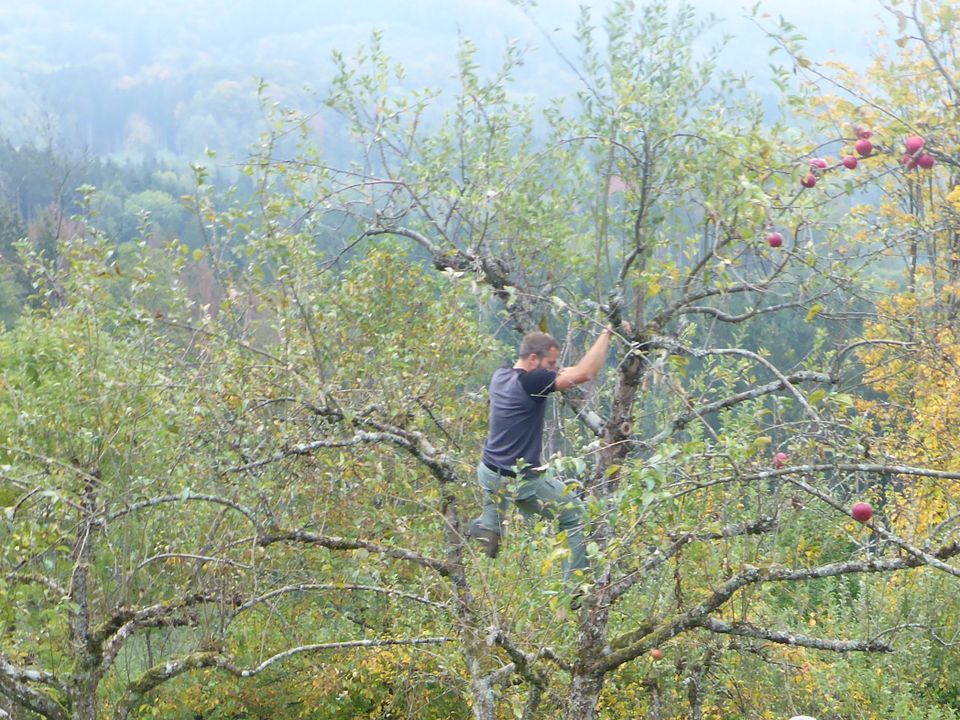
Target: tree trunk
(473, 648)
(484, 700)
(85, 704)
(86, 680)
(584, 697)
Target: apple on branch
(914, 143)
(861, 512)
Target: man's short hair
(537, 343)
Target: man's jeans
(541, 494)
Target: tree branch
(681, 421)
(48, 582)
(440, 465)
(931, 51)
(338, 543)
(304, 587)
(417, 237)
(110, 635)
(23, 675)
(332, 646)
(658, 633)
(303, 449)
(759, 359)
(919, 554)
(13, 684)
(185, 496)
(661, 318)
(746, 629)
(190, 556)
(759, 526)
(159, 674)
(522, 663)
(728, 318)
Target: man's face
(548, 361)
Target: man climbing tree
(510, 467)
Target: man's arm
(588, 367)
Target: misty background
(170, 78)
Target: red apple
(818, 164)
(849, 161)
(780, 459)
(863, 133)
(861, 511)
(926, 161)
(908, 162)
(863, 147)
(656, 653)
(913, 143)
(775, 239)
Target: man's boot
(489, 539)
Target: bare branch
(418, 238)
(842, 353)
(664, 315)
(48, 582)
(185, 496)
(658, 633)
(338, 543)
(23, 675)
(304, 449)
(728, 318)
(114, 632)
(681, 421)
(523, 663)
(189, 556)
(113, 646)
(773, 370)
(690, 619)
(159, 674)
(441, 466)
(13, 684)
(304, 587)
(335, 646)
(144, 615)
(931, 51)
(746, 629)
(575, 399)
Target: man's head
(539, 350)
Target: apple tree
(269, 487)
(658, 199)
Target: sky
(265, 30)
